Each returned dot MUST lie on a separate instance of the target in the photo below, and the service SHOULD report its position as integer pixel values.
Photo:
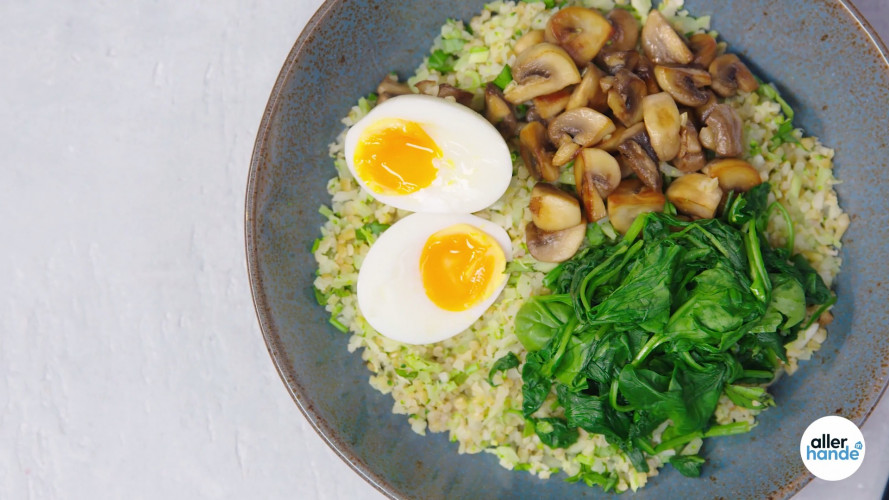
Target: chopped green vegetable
(555, 432)
(370, 231)
(452, 45)
(440, 61)
(510, 360)
(504, 77)
(687, 465)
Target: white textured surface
(131, 365)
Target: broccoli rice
(443, 387)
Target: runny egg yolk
(395, 157)
(461, 266)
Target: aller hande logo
(832, 448)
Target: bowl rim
(269, 331)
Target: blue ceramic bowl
(826, 61)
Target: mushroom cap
(624, 30)
(636, 152)
(553, 209)
(661, 118)
(703, 46)
(498, 111)
(630, 199)
(723, 133)
(734, 174)
(685, 84)
(584, 126)
(554, 246)
(625, 97)
(599, 168)
(539, 70)
(661, 43)
(730, 75)
(580, 31)
(533, 149)
(695, 194)
(690, 157)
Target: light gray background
(131, 364)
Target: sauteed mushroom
(661, 118)
(549, 105)
(532, 146)
(553, 209)
(624, 30)
(580, 31)
(703, 46)
(430, 87)
(684, 84)
(723, 131)
(734, 174)
(588, 93)
(695, 194)
(638, 154)
(554, 246)
(530, 38)
(390, 87)
(731, 75)
(690, 157)
(498, 111)
(596, 175)
(625, 97)
(630, 199)
(539, 70)
(661, 43)
(584, 126)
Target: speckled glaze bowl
(825, 60)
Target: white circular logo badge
(832, 448)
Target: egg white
(476, 167)
(391, 295)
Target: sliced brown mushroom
(435, 89)
(598, 167)
(625, 97)
(580, 31)
(661, 43)
(690, 157)
(624, 30)
(661, 118)
(731, 75)
(616, 60)
(703, 46)
(548, 106)
(539, 70)
(620, 134)
(530, 38)
(645, 71)
(533, 148)
(554, 246)
(584, 126)
(684, 84)
(499, 112)
(637, 153)
(588, 93)
(695, 194)
(391, 87)
(461, 96)
(630, 199)
(723, 132)
(566, 152)
(703, 111)
(734, 174)
(553, 209)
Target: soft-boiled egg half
(430, 276)
(427, 154)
